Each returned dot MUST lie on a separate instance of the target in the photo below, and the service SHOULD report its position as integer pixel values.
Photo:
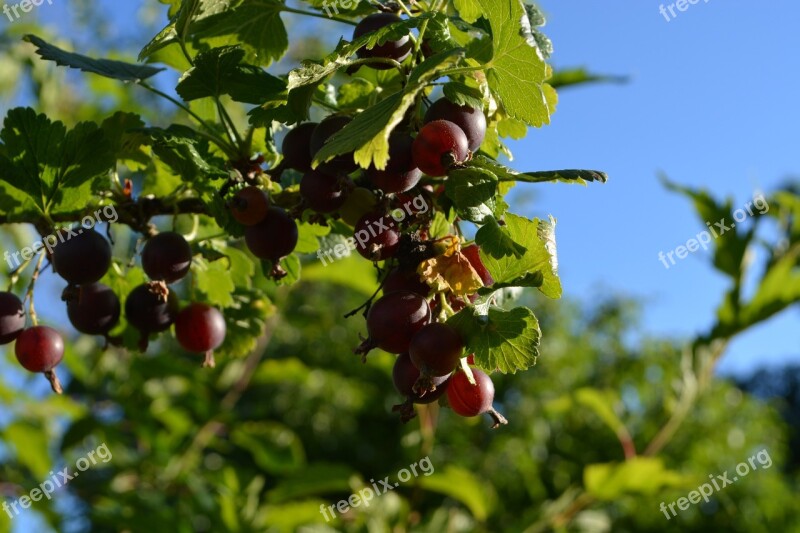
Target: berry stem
(209, 361)
(497, 418)
(467, 371)
(29, 293)
(55, 384)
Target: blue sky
(711, 102)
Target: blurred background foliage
(265, 440)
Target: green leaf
(57, 169)
(245, 321)
(254, 24)
(308, 237)
(504, 173)
(314, 479)
(516, 72)
(186, 154)
(461, 485)
(368, 133)
(462, 94)
(117, 70)
(638, 475)
(537, 238)
(501, 340)
(275, 448)
(601, 402)
(31, 446)
(473, 193)
(220, 71)
(469, 10)
(496, 241)
(214, 279)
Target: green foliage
(291, 420)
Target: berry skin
(148, 311)
(397, 50)
(401, 280)
(92, 309)
(12, 317)
(472, 253)
(200, 328)
(344, 163)
(436, 349)
(400, 174)
(296, 147)
(376, 236)
(322, 192)
(40, 349)
(471, 121)
(167, 257)
(440, 145)
(83, 257)
(393, 320)
(249, 205)
(274, 237)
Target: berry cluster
(94, 308)
(402, 321)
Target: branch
(134, 213)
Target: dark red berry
(394, 319)
(376, 236)
(249, 205)
(41, 349)
(472, 253)
(92, 309)
(324, 193)
(200, 328)
(400, 174)
(471, 400)
(12, 317)
(436, 349)
(296, 147)
(167, 257)
(274, 237)
(83, 257)
(471, 121)
(329, 126)
(405, 375)
(440, 145)
(397, 50)
(402, 280)
(149, 311)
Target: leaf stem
(461, 70)
(317, 15)
(29, 293)
(226, 147)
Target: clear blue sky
(712, 102)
